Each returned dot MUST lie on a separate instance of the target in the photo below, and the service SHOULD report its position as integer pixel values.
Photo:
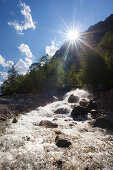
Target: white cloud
(9, 64)
(27, 23)
(5, 63)
(28, 61)
(51, 50)
(4, 75)
(22, 67)
(2, 60)
(24, 49)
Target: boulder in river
(58, 132)
(48, 124)
(94, 113)
(73, 99)
(103, 122)
(84, 103)
(62, 143)
(92, 105)
(15, 120)
(79, 111)
(61, 111)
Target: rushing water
(25, 145)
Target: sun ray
(75, 38)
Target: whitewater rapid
(26, 145)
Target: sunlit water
(25, 145)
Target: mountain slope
(70, 53)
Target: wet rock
(6, 111)
(94, 113)
(55, 119)
(26, 138)
(103, 122)
(48, 124)
(89, 96)
(71, 124)
(57, 132)
(15, 120)
(61, 111)
(2, 119)
(62, 143)
(92, 105)
(58, 163)
(84, 103)
(79, 111)
(73, 99)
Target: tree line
(95, 72)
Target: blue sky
(31, 28)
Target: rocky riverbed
(11, 106)
(65, 134)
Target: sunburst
(73, 35)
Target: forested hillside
(87, 63)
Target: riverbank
(11, 106)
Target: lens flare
(73, 35)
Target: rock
(58, 163)
(2, 119)
(57, 132)
(26, 138)
(48, 124)
(61, 111)
(79, 111)
(73, 99)
(55, 119)
(62, 143)
(84, 103)
(103, 122)
(71, 124)
(4, 101)
(15, 120)
(92, 105)
(89, 96)
(94, 113)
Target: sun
(73, 35)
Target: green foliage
(106, 49)
(96, 71)
(93, 69)
(71, 77)
(10, 85)
(106, 44)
